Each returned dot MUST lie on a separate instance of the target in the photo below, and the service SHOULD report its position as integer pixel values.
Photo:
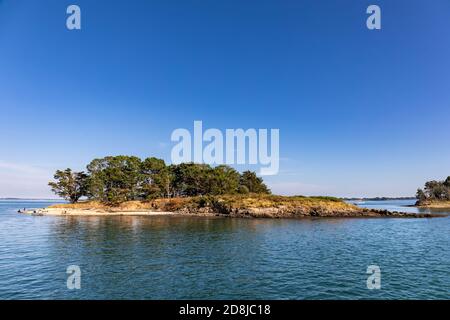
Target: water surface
(398, 205)
(219, 258)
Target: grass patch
(222, 204)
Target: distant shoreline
(33, 199)
(379, 199)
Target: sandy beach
(95, 212)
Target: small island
(435, 194)
(127, 185)
(233, 206)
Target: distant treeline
(123, 178)
(378, 198)
(435, 190)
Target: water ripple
(215, 258)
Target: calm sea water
(219, 258)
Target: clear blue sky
(360, 113)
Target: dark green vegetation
(434, 191)
(69, 185)
(114, 180)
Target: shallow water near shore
(175, 257)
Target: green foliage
(243, 190)
(326, 198)
(446, 183)
(69, 185)
(253, 183)
(435, 190)
(156, 179)
(117, 179)
(190, 179)
(224, 180)
(421, 195)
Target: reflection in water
(171, 257)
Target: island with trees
(435, 194)
(128, 185)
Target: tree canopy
(115, 179)
(435, 190)
(69, 185)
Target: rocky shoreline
(270, 213)
(432, 204)
(315, 213)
